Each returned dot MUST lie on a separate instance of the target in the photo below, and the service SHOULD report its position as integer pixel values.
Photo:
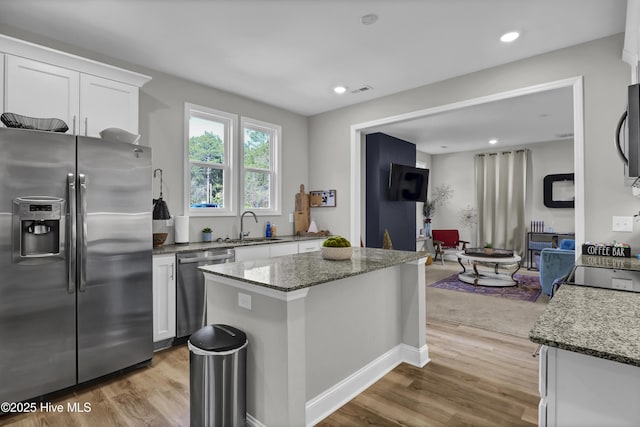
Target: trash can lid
(218, 338)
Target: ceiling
(527, 119)
(291, 53)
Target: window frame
(275, 149)
(230, 123)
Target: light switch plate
(622, 223)
(244, 300)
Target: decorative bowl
(119, 135)
(12, 120)
(337, 254)
(159, 238)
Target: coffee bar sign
(606, 250)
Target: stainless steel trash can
(218, 376)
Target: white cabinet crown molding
(62, 59)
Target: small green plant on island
(336, 242)
(488, 245)
(206, 230)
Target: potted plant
(488, 248)
(336, 248)
(207, 234)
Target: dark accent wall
(381, 213)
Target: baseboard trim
(333, 398)
(415, 356)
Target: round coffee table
(488, 278)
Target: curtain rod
(502, 152)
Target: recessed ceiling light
(493, 141)
(340, 89)
(509, 37)
(369, 19)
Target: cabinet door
(310, 246)
(36, 89)
(164, 297)
(2, 68)
(279, 249)
(250, 253)
(588, 391)
(105, 104)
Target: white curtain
(501, 184)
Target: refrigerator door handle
(83, 232)
(72, 266)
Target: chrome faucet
(242, 233)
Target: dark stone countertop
(598, 322)
(199, 246)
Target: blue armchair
(556, 263)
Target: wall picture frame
(322, 199)
(559, 190)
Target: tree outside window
(260, 162)
(208, 166)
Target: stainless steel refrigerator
(75, 260)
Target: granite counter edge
(411, 259)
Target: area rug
(528, 288)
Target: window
(260, 166)
(209, 157)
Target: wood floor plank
(475, 378)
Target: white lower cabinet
(250, 253)
(581, 390)
(244, 253)
(164, 297)
(310, 246)
(279, 249)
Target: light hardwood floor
(475, 378)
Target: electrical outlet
(622, 223)
(622, 284)
(291, 218)
(244, 300)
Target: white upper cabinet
(631, 48)
(36, 89)
(107, 104)
(89, 96)
(2, 67)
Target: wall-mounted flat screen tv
(408, 183)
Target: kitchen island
(320, 331)
(590, 359)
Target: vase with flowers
(428, 209)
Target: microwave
(628, 137)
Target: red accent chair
(447, 241)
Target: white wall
(161, 126)
(457, 170)
(605, 81)
(423, 158)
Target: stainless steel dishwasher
(191, 301)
